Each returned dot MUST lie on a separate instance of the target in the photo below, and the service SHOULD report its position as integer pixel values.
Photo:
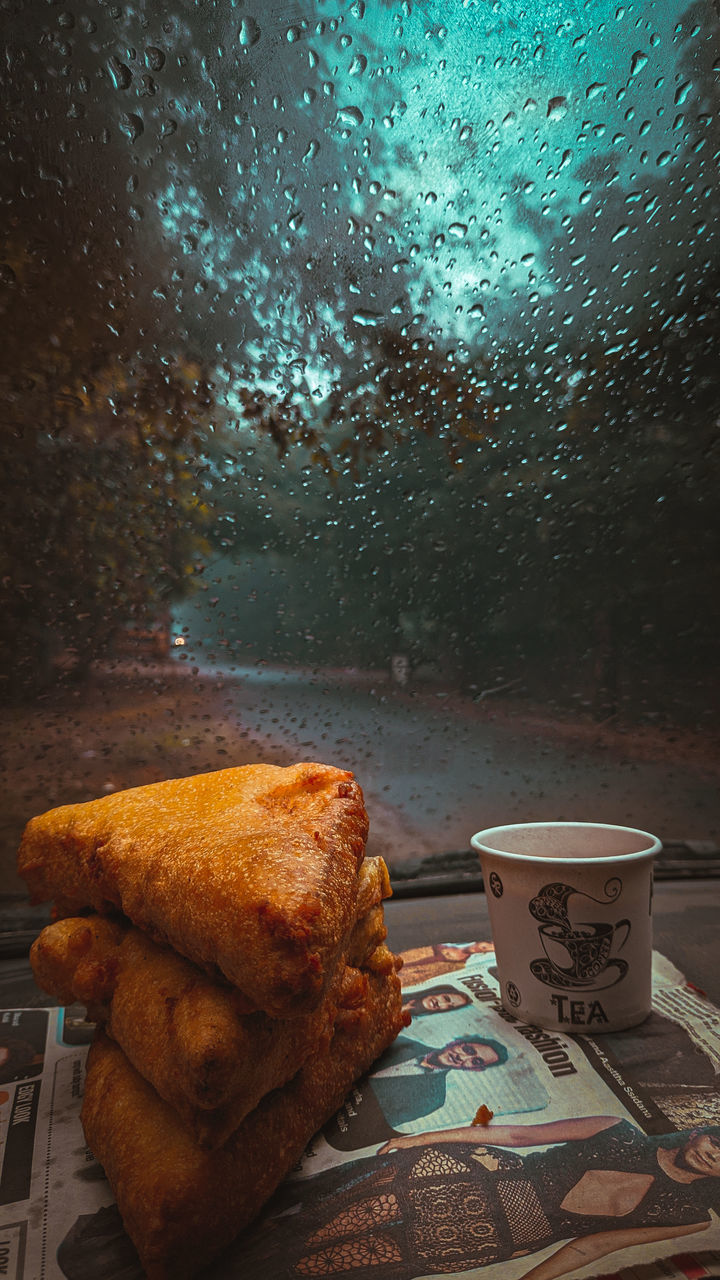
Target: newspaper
(588, 1166)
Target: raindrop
(368, 319)
(132, 125)
(664, 158)
(358, 64)
(358, 9)
(594, 90)
(313, 148)
(557, 108)
(466, 133)
(621, 231)
(249, 33)
(682, 93)
(48, 174)
(349, 115)
(120, 75)
(458, 229)
(154, 58)
(295, 220)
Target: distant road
(435, 767)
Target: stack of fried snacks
(226, 932)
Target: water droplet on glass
(458, 229)
(664, 158)
(358, 64)
(120, 75)
(637, 62)
(249, 33)
(621, 231)
(557, 108)
(131, 124)
(682, 93)
(154, 58)
(594, 90)
(349, 115)
(48, 174)
(368, 319)
(313, 148)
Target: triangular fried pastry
(185, 1032)
(182, 1204)
(252, 871)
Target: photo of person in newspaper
(442, 998)
(450, 1201)
(410, 1083)
(22, 1043)
(424, 963)
(411, 1079)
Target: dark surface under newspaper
(601, 1158)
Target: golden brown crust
(253, 871)
(188, 1035)
(181, 1204)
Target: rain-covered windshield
(360, 377)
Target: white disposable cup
(570, 908)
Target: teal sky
(476, 171)
(285, 182)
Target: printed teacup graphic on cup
(570, 913)
(584, 953)
(581, 955)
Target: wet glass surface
(361, 400)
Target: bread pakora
(186, 1033)
(181, 1204)
(252, 871)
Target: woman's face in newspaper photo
(701, 1154)
(437, 1000)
